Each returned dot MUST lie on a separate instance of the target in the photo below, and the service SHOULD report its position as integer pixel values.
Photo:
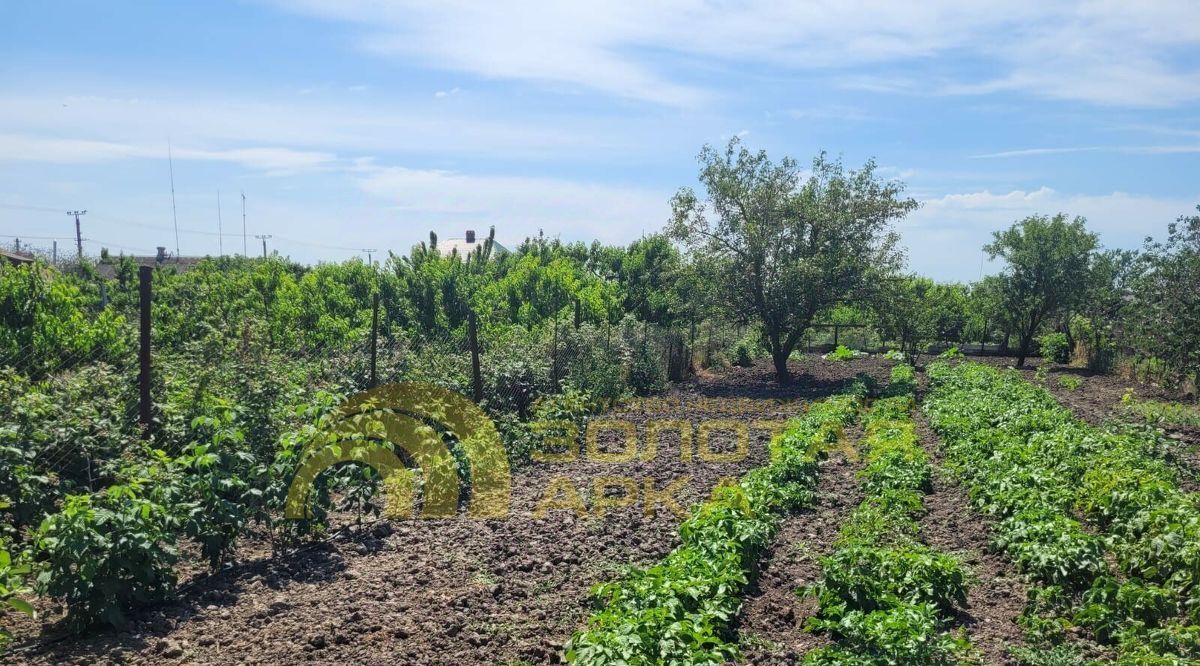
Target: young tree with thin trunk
(790, 245)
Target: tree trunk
(780, 357)
(1026, 340)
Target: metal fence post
(374, 336)
(473, 339)
(145, 275)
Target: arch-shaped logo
(400, 415)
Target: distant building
(16, 258)
(467, 245)
(108, 268)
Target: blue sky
(365, 124)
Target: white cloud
(26, 148)
(946, 235)
(1100, 51)
(519, 206)
(1144, 150)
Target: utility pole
(78, 233)
(264, 238)
(54, 254)
(369, 251)
(220, 234)
(244, 252)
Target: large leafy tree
(1047, 271)
(1166, 318)
(789, 245)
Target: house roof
(448, 245)
(16, 257)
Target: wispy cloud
(1144, 150)
(1129, 54)
(273, 160)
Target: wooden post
(374, 336)
(145, 275)
(836, 328)
(476, 375)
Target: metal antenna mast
(174, 215)
(244, 252)
(220, 234)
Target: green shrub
(1054, 347)
(103, 554)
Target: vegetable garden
(699, 470)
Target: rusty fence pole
(145, 412)
(473, 340)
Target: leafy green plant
(102, 554)
(843, 353)
(681, 609)
(951, 353)
(1070, 382)
(14, 573)
(1054, 347)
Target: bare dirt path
(461, 591)
(772, 619)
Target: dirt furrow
(996, 594)
(773, 617)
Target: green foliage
(682, 609)
(1054, 347)
(952, 353)
(787, 248)
(220, 490)
(884, 595)
(102, 554)
(843, 353)
(47, 324)
(1047, 263)
(1026, 459)
(1160, 412)
(14, 573)
(1165, 323)
(1070, 382)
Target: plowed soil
(465, 591)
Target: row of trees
(783, 249)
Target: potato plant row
(680, 610)
(886, 597)
(1093, 516)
